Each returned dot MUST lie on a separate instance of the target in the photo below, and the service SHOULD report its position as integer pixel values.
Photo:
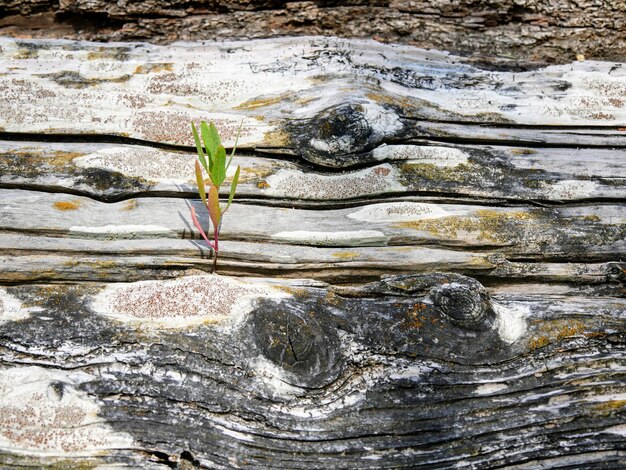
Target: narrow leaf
(232, 154)
(199, 227)
(214, 206)
(210, 143)
(221, 165)
(201, 156)
(233, 188)
(200, 182)
(215, 135)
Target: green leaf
(232, 154)
(214, 207)
(201, 156)
(200, 182)
(211, 141)
(218, 172)
(233, 188)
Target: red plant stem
(216, 235)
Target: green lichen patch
(29, 164)
(487, 173)
(71, 79)
(539, 231)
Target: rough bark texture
(423, 266)
(506, 32)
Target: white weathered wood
(113, 171)
(283, 88)
(518, 231)
(37, 258)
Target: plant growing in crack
(213, 159)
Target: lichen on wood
(424, 265)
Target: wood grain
(297, 376)
(115, 171)
(423, 265)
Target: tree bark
(503, 33)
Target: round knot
(339, 136)
(466, 305)
(616, 271)
(308, 352)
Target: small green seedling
(213, 159)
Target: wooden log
(342, 330)
(567, 233)
(37, 259)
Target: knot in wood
(337, 135)
(290, 336)
(617, 271)
(465, 304)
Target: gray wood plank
(112, 171)
(575, 233)
(286, 93)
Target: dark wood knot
(465, 304)
(616, 271)
(338, 136)
(291, 337)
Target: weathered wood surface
(379, 376)
(507, 32)
(116, 171)
(358, 161)
(285, 92)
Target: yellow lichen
(60, 158)
(458, 173)
(346, 254)
(610, 406)
(556, 330)
(276, 138)
(332, 299)
(415, 317)
(154, 68)
(395, 100)
(260, 102)
(296, 292)
(67, 205)
(250, 173)
(523, 151)
(570, 329)
(101, 264)
(539, 342)
(25, 54)
(130, 205)
(491, 225)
